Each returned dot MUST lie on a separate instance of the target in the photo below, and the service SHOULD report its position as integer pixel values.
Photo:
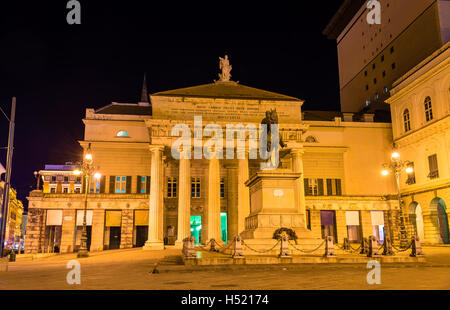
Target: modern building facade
(373, 56)
(420, 107)
(150, 198)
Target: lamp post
(87, 169)
(37, 176)
(396, 166)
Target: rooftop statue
(225, 66)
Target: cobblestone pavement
(131, 269)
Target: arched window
(123, 134)
(311, 139)
(428, 109)
(406, 120)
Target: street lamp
(87, 169)
(396, 166)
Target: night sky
(57, 70)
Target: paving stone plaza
(126, 270)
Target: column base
(153, 246)
(178, 244)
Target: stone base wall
(35, 231)
(126, 235)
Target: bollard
(373, 247)
(12, 256)
(364, 246)
(387, 247)
(213, 245)
(329, 247)
(416, 247)
(237, 251)
(284, 250)
(346, 245)
(188, 248)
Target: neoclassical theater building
(147, 198)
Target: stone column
(155, 216)
(213, 224)
(232, 202)
(184, 201)
(297, 167)
(243, 193)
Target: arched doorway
(416, 220)
(438, 206)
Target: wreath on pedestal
(285, 231)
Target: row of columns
(155, 231)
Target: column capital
(156, 147)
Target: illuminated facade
(14, 224)
(420, 107)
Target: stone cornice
(115, 144)
(436, 127)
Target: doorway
(416, 220)
(223, 227)
(196, 228)
(114, 238)
(141, 235)
(328, 224)
(442, 219)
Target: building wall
(431, 78)
(411, 27)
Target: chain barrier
(402, 250)
(203, 247)
(307, 251)
(260, 251)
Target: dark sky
(57, 70)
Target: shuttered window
(113, 218)
(121, 185)
(141, 217)
(334, 187)
(141, 184)
(433, 166)
(314, 187)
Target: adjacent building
(420, 107)
(13, 236)
(373, 56)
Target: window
(53, 189)
(384, 73)
(428, 109)
(375, 81)
(65, 189)
(122, 134)
(121, 185)
(367, 87)
(377, 96)
(382, 58)
(392, 49)
(406, 120)
(373, 66)
(66, 179)
(433, 166)
(78, 180)
(386, 90)
(311, 139)
(195, 187)
(411, 176)
(94, 187)
(334, 187)
(77, 189)
(367, 102)
(222, 188)
(171, 187)
(53, 178)
(353, 226)
(143, 187)
(365, 73)
(308, 219)
(393, 65)
(314, 187)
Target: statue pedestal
(274, 203)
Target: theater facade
(147, 198)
